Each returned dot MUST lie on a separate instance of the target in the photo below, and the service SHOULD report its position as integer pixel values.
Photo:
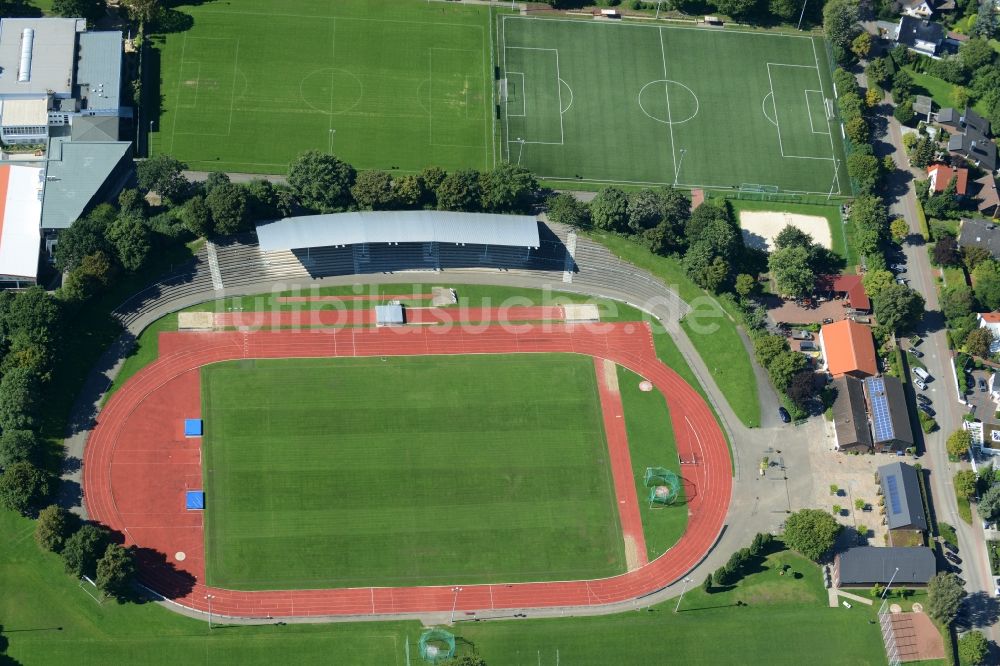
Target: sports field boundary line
(180, 81)
(722, 188)
(632, 24)
(774, 103)
(833, 149)
(232, 93)
(666, 92)
(342, 18)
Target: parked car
(923, 399)
(982, 385)
(802, 335)
(784, 415)
(922, 374)
(808, 345)
(916, 352)
(996, 586)
(898, 267)
(950, 546)
(901, 280)
(827, 320)
(926, 409)
(952, 557)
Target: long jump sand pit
(760, 227)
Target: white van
(923, 374)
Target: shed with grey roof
(904, 506)
(865, 566)
(411, 226)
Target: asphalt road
(980, 609)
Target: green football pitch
(406, 470)
(629, 102)
(383, 84)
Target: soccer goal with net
(664, 486)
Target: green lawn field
(47, 618)
(406, 470)
(383, 84)
(639, 103)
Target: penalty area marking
(763, 108)
(809, 110)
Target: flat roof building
(20, 231)
(37, 56)
(865, 566)
(79, 174)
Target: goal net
(436, 646)
(664, 486)
(502, 90)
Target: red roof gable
(941, 175)
(851, 285)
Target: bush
(927, 424)
(53, 527)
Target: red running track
(137, 465)
(366, 317)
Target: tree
(197, 216)
(53, 527)
(802, 388)
(322, 182)
(132, 201)
(944, 594)
(871, 223)
(142, 10)
(965, 483)
(566, 209)
(432, 177)
(768, 347)
(904, 112)
(738, 9)
(783, 367)
(973, 648)
(851, 105)
(986, 21)
(23, 487)
(840, 21)
(791, 271)
(130, 239)
(865, 170)
(902, 85)
(986, 277)
(162, 174)
(979, 341)
(84, 237)
(989, 503)
(609, 209)
(792, 236)
(18, 399)
(898, 308)
(708, 270)
(845, 81)
(460, 190)
(745, 285)
(876, 280)
(958, 443)
(115, 571)
(410, 191)
(18, 446)
(373, 190)
(509, 189)
(82, 550)
(946, 252)
(645, 209)
(899, 229)
(92, 10)
(228, 203)
(92, 275)
(214, 180)
(707, 584)
(878, 71)
(956, 302)
(923, 152)
(811, 532)
(861, 46)
(960, 96)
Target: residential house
(917, 8)
(984, 191)
(850, 418)
(941, 175)
(865, 566)
(969, 138)
(849, 287)
(904, 504)
(890, 417)
(979, 233)
(991, 322)
(848, 349)
(920, 35)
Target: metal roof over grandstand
(409, 226)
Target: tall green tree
(791, 271)
(871, 223)
(956, 301)
(508, 188)
(985, 26)
(989, 504)
(811, 532)
(92, 10)
(792, 236)
(92, 276)
(840, 22)
(162, 174)
(986, 278)
(321, 181)
(82, 550)
(197, 217)
(566, 209)
(373, 190)
(783, 367)
(768, 347)
(115, 572)
(609, 210)
(19, 446)
(898, 308)
(84, 237)
(461, 191)
(228, 203)
(129, 237)
(53, 527)
(973, 648)
(965, 483)
(24, 487)
(19, 399)
(979, 341)
(944, 595)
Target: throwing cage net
(663, 485)
(436, 645)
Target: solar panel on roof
(881, 418)
(890, 484)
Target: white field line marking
(315, 17)
(774, 103)
(809, 110)
(430, 96)
(232, 93)
(520, 92)
(180, 82)
(559, 82)
(666, 91)
(562, 135)
(763, 108)
(506, 114)
(333, 74)
(661, 27)
(833, 150)
(572, 96)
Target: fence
(888, 635)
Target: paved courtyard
(781, 310)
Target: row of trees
(757, 12)
(858, 109)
